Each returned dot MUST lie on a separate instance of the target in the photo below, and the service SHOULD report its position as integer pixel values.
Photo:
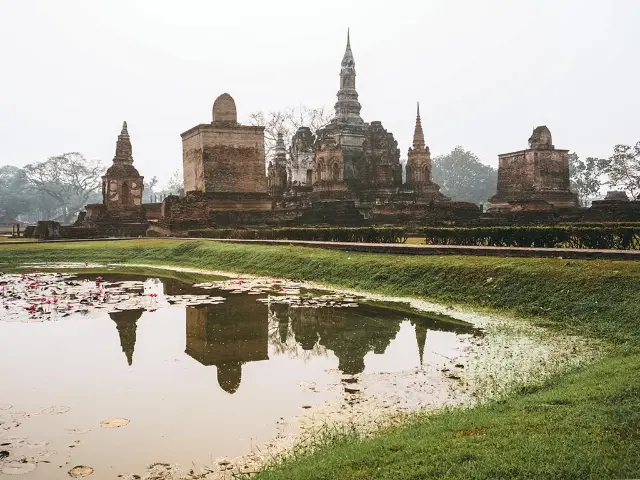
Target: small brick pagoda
(122, 185)
(121, 211)
(419, 168)
(277, 170)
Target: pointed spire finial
(347, 59)
(418, 136)
(124, 129)
(280, 150)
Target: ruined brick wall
(551, 169)
(94, 210)
(382, 158)
(199, 210)
(533, 170)
(152, 211)
(192, 166)
(515, 173)
(534, 175)
(540, 173)
(234, 159)
(224, 159)
(417, 215)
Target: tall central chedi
(347, 107)
(354, 159)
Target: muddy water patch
(201, 374)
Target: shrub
(325, 234)
(601, 237)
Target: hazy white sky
(485, 71)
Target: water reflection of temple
(236, 332)
(228, 335)
(127, 324)
(350, 333)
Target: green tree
(586, 177)
(15, 195)
(623, 168)
(463, 177)
(68, 182)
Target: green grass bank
(585, 424)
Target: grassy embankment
(580, 425)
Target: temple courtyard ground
(581, 424)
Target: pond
(116, 372)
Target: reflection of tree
(127, 324)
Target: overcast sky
(485, 72)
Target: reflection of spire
(126, 324)
(421, 338)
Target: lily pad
(57, 410)
(77, 431)
(80, 471)
(18, 467)
(114, 423)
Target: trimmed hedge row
(361, 234)
(623, 238)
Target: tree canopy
(287, 122)
(586, 177)
(623, 169)
(463, 177)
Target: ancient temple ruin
(223, 165)
(536, 178)
(214, 153)
(121, 211)
(122, 185)
(277, 170)
(301, 163)
(419, 168)
(346, 173)
(354, 159)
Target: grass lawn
(585, 424)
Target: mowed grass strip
(585, 424)
(582, 425)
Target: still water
(198, 373)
